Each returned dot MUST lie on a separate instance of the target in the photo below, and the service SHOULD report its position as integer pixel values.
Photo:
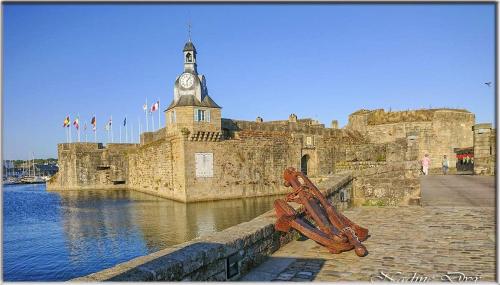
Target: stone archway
(303, 163)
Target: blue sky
(322, 61)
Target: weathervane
(189, 30)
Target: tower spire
(189, 30)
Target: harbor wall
(155, 167)
(91, 166)
(242, 168)
(247, 158)
(250, 158)
(220, 256)
(249, 161)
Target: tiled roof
(191, 100)
(189, 46)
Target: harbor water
(57, 236)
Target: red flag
(76, 123)
(155, 106)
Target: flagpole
(152, 122)
(69, 126)
(140, 129)
(146, 112)
(159, 125)
(120, 133)
(108, 127)
(78, 129)
(112, 134)
(131, 132)
(94, 128)
(126, 130)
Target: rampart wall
(439, 130)
(155, 167)
(91, 166)
(247, 162)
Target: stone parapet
(220, 256)
(393, 184)
(477, 127)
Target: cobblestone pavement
(420, 242)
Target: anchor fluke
(329, 228)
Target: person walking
(426, 162)
(445, 165)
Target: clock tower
(192, 110)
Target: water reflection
(80, 232)
(122, 214)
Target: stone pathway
(424, 243)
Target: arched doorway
(303, 163)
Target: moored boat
(32, 179)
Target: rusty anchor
(329, 228)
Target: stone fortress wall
(91, 166)
(439, 130)
(248, 160)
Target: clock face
(186, 80)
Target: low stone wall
(394, 184)
(484, 149)
(220, 256)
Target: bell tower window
(201, 115)
(189, 57)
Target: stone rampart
(242, 168)
(439, 130)
(155, 168)
(249, 164)
(220, 256)
(91, 166)
(149, 137)
(304, 126)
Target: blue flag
(125, 122)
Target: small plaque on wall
(204, 164)
(309, 141)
